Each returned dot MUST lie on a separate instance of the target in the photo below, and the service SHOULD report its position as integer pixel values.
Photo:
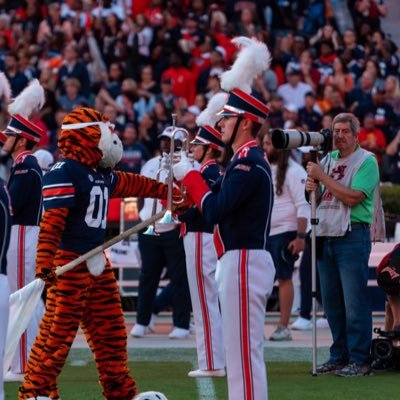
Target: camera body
(382, 347)
(293, 138)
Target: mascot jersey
(85, 192)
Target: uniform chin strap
(235, 130)
(204, 154)
(17, 137)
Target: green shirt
(364, 180)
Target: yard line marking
(205, 387)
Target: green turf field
(288, 380)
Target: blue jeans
(343, 272)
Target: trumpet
(151, 229)
(168, 217)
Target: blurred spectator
(249, 25)
(388, 59)
(294, 90)
(309, 119)
(166, 96)
(309, 73)
(73, 68)
(325, 59)
(340, 79)
(392, 93)
(275, 116)
(72, 98)
(189, 120)
(217, 63)
(369, 12)
(54, 22)
(326, 34)
(135, 154)
(372, 66)
(393, 152)
(371, 138)
(385, 118)
(183, 81)
(350, 43)
(139, 40)
(361, 96)
(111, 113)
(290, 116)
(17, 80)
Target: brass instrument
(151, 229)
(168, 218)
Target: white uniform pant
(245, 280)
(21, 265)
(4, 309)
(201, 263)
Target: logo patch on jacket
(243, 167)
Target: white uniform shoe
(207, 373)
(179, 333)
(301, 324)
(11, 377)
(39, 398)
(138, 331)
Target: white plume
(209, 115)
(253, 59)
(31, 98)
(5, 88)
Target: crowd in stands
(140, 61)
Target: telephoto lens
(294, 138)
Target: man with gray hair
(345, 183)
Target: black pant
(305, 282)
(157, 252)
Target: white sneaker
(322, 323)
(138, 331)
(301, 324)
(151, 325)
(179, 333)
(207, 373)
(11, 377)
(281, 333)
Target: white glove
(182, 167)
(165, 161)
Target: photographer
(388, 278)
(345, 183)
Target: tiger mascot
(75, 197)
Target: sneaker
(151, 325)
(353, 369)
(301, 324)
(322, 323)
(281, 333)
(138, 331)
(330, 367)
(207, 373)
(11, 377)
(179, 333)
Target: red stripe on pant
(203, 301)
(244, 322)
(21, 284)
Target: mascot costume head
(87, 136)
